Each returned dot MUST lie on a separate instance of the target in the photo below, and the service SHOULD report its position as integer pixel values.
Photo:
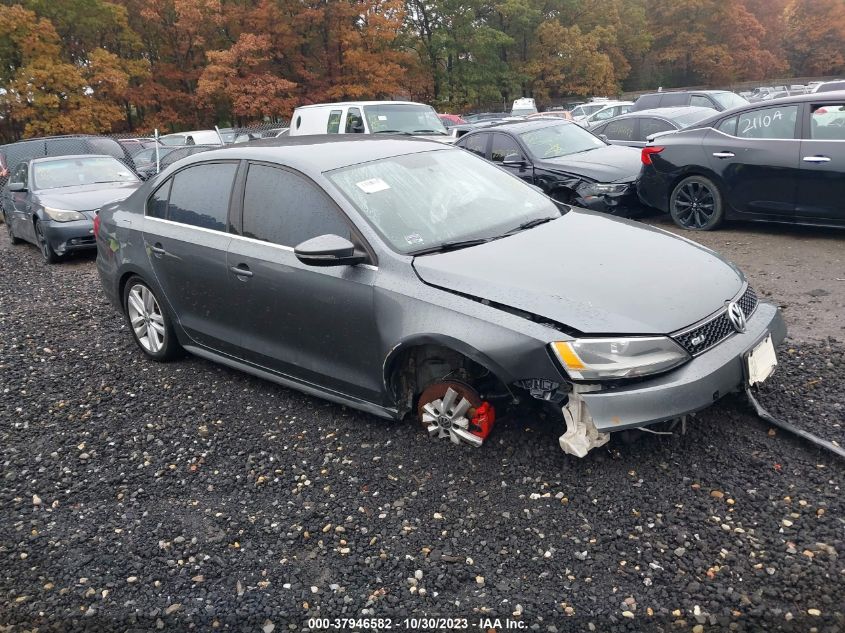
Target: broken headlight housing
(63, 215)
(617, 358)
(602, 189)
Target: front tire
(47, 251)
(12, 238)
(696, 204)
(149, 323)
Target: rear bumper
(653, 189)
(66, 237)
(691, 388)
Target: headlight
(602, 189)
(612, 358)
(63, 215)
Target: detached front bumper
(688, 389)
(66, 237)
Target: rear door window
(777, 122)
(648, 101)
(157, 204)
(476, 143)
(827, 122)
(284, 208)
(621, 130)
(504, 147)
(701, 101)
(649, 126)
(674, 99)
(200, 195)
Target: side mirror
(17, 186)
(604, 138)
(328, 250)
(514, 160)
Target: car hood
(612, 163)
(592, 273)
(87, 197)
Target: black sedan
(52, 202)
(566, 161)
(773, 161)
(635, 128)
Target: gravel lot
(139, 496)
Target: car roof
(358, 103)
(669, 114)
(47, 159)
(317, 153)
(518, 127)
(823, 97)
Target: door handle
(816, 159)
(724, 154)
(241, 270)
(157, 249)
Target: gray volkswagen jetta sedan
(405, 277)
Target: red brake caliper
(482, 422)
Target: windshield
(560, 140)
(729, 100)
(400, 118)
(419, 201)
(71, 172)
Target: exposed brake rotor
(454, 410)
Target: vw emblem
(736, 316)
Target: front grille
(703, 336)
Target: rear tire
(151, 326)
(12, 238)
(47, 251)
(696, 204)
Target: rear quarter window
(674, 99)
(648, 101)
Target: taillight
(97, 225)
(648, 152)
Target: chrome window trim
(239, 237)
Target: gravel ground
(138, 496)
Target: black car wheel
(696, 204)
(47, 251)
(12, 238)
(149, 322)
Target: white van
(369, 117)
(524, 106)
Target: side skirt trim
(310, 389)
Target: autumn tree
(814, 36)
(242, 78)
(565, 61)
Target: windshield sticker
(381, 117)
(373, 185)
(414, 238)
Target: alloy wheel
(695, 205)
(446, 417)
(146, 318)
